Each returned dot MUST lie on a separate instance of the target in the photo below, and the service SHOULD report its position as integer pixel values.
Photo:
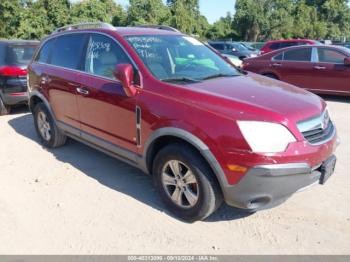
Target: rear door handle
(45, 80)
(277, 65)
(320, 67)
(82, 90)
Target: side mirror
(125, 74)
(347, 61)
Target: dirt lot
(76, 200)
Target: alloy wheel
(180, 184)
(44, 126)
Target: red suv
(279, 44)
(164, 102)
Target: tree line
(253, 20)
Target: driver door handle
(320, 67)
(82, 90)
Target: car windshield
(19, 54)
(180, 58)
(240, 47)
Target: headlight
(253, 55)
(266, 137)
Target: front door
(330, 73)
(107, 115)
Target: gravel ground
(76, 200)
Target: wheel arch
(165, 136)
(35, 98)
(267, 73)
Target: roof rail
(161, 27)
(88, 25)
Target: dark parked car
(233, 48)
(14, 58)
(321, 69)
(165, 103)
(279, 44)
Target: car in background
(233, 48)
(249, 46)
(321, 69)
(15, 55)
(279, 44)
(233, 60)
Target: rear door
(330, 73)
(295, 67)
(60, 77)
(106, 113)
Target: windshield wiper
(217, 76)
(180, 79)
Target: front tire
(46, 128)
(186, 183)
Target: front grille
(317, 130)
(319, 135)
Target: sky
(212, 9)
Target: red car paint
(209, 110)
(323, 77)
(279, 44)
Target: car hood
(255, 97)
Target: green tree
(10, 16)
(185, 15)
(98, 10)
(34, 23)
(148, 12)
(223, 28)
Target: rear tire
(191, 192)
(4, 109)
(46, 128)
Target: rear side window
(218, 46)
(278, 57)
(102, 55)
(19, 54)
(67, 51)
(330, 56)
(44, 53)
(301, 55)
(275, 46)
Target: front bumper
(269, 185)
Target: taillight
(12, 71)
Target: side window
(44, 53)
(330, 56)
(102, 55)
(278, 57)
(218, 46)
(67, 51)
(301, 55)
(275, 46)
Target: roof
(290, 40)
(343, 49)
(144, 31)
(16, 41)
